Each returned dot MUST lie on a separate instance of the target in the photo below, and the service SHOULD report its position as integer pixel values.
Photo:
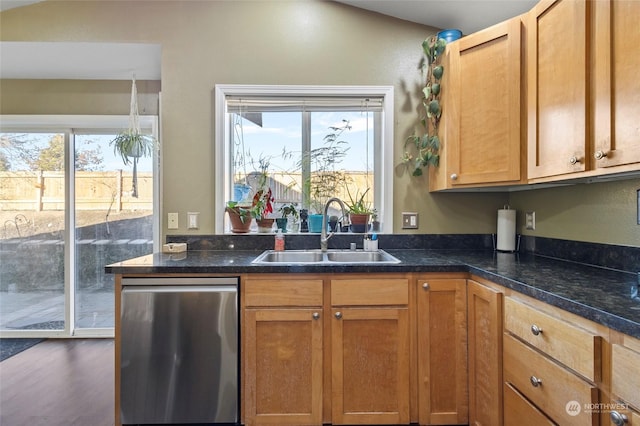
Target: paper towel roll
(506, 240)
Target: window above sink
(286, 125)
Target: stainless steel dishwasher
(179, 351)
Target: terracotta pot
(359, 222)
(238, 226)
(265, 225)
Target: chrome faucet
(324, 238)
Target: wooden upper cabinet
(583, 90)
(616, 61)
(557, 88)
(481, 110)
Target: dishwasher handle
(181, 289)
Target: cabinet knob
(535, 382)
(600, 155)
(536, 330)
(574, 160)
(619, 419)
(425, 286)
(316, 316)
(454, 176)
(338, 315)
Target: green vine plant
(423, 150)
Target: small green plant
(425, 147)
(357, 203)
(130, 145)
(290, 209)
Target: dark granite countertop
(605, 296)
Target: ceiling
(120, 61)
(468, 16)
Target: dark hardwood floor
(59, 382)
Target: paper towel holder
(493, 238)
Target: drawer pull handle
(425, 286)
(574, 160)
(536, 330)
(535, 382)
(599, 155)
(316, 316)
(338, 315)
(619, 419)
(454, 176)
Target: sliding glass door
(32, 242)
(68, 209)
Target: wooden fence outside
(44, 191)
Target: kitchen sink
(317, 257)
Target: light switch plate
(193, 220)
(409, 220)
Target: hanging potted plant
(131, 144)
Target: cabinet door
(283, 366)
(485, 355)
(616, 83)
(442, 351)
(557, 87)
(370, 366)
(483, 136)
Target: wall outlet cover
(409, 220)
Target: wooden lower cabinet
(283, 366)
(484, 305)
(370, 350)
(370, 366)
(555, 390)
(282, 350)
(442, 350)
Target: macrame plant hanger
(134, 129)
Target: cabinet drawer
(518, 411)
(573, 346)
(274, 292)
(558, 388)
(625, 374)
(370, 292)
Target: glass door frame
(69, 126)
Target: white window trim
(222, 160)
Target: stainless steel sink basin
(271, 256)
(330, 257)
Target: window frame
(383, 159)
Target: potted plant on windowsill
(287, 211)
(262, 201)
(239, 216)
(262, 207)
(359, 211)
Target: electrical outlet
(409, 220)
(530, 220)
(172, 221)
